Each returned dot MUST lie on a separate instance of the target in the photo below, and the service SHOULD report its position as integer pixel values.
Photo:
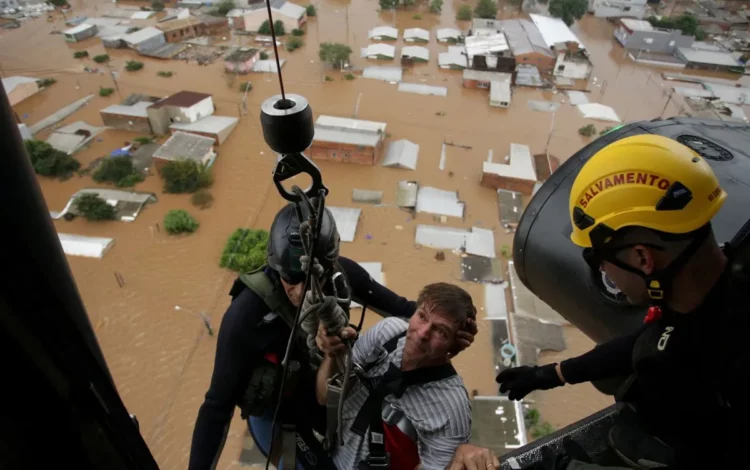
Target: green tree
(542, 430)
(179, 221)
(133, 65)
(436, 6)
(80, 54)
(106, 91)
(185, 176)
(568, 10)
(278, 28)
(686, 23)
(408, 3)
(224, 7)
(294, 43)
(101, 58)
(335, 53)
(92, 207)
(486, 9)
(263, 55)
(463, 13)
(48, 161)
(588, 130)
(298, 32)
(156, 5)
(113, 169)
(311, 11)
(245, 250)
(59, 3)
(388, 4)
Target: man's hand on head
(465, 336)
(333, 345)
(471, 457)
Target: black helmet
(285, 243)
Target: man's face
(293, 292)
(430, 336)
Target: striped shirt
(439, 411)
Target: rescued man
(641, 208)
(408, 408)
(254, 333)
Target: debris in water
(450, 174)
(440, 255)
(399, 227)
(440, 113)
(368, 237)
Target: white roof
(487, 75)
(499, 92)
(142, 15)
(478, 241)
(418, 52)
(452, 57)
(402, 154)
(383, 31)
(637, 25)
(577, 97)
(89, 247)
(440, 202)
(709, 57)
(554, 30)
(388, 74)
(349, 131)
(521, 164)
(67, 143)
(136, 110)
(10, 83)
(209, 124)
(422, 89)
(495, 307)
(485, 45)
(375, 270)
(347, 219)
(448, 33)
(236, 12)
(267, 65)
(416, 33)
(291, 10)
(79, 29)
(141, 35)
(378, 50)
(598, 111)
(185, 146)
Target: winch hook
(288, 128)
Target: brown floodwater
(161, 358)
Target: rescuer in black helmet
(254, 333)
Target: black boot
(639, 449)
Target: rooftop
(416, 33)
(524, 38)
(554, 31)
(10, 83)
(349, 131)
(486, 45)
(487, 75)
(379, 49)
(79, 29)
(521, 164)
(241, 55)
(482, 26)
(454, 56)
(209, 124)
(383, 31)
(418, 52)
(636, 25)
(282, 7)
(402, 154)
(174, 25)
(142, 35)
(448, 33)
(185, 146)
(709, 57)
(182, 99)
(136, 110)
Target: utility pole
(667, 103)
(356, 107)
(114, 79)
(549, 137)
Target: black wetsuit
(692, 376)
(244, 337)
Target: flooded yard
(161, 357)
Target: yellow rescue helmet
(647, 181)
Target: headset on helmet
(285, 244)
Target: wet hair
(450, 300)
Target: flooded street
(162, 358)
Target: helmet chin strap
(659, 283)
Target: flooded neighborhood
(432, 134)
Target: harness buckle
(382, 461)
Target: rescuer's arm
(331, 347)
(377, 297)
(238, 344)
(607, 360)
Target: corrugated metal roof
(598, 111)
(521, 164)
(528, 75)
(10, 83)
(453, 58)
(349, 131)
(417, 52)
(500, 93)
(357, 124)
(444, 34)
(554, 30)
(423, 89)
(577, 97)
(267, 65)
(480, 242)
(709, 57)
(182, 99)
(136, 110)
(495, 306)
(637, 25)
(419, 34)
(402, 154)
(437, 201)
(375, 50)
(367, 196)
(510, 206)
(185, 146)
(486, 45)
(292, 10)
(381, 32)
(387, 74)
(406, 194)
(89, 247)
(347, 219)
(67, 143)
(487, 75)
(442, 238)
(142, 35)
(524, 38)
(79, 29)
(209, 124)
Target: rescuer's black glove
(520, 381)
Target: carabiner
(291, 165)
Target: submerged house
(184, 146)
(348, 140)
(379, 51)
(241, 60)
(490, 52)
(81, 32)
(572, 59)
(383, 33)
(449, 35)
(416, 35)
(183, 107)
(415, 54)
